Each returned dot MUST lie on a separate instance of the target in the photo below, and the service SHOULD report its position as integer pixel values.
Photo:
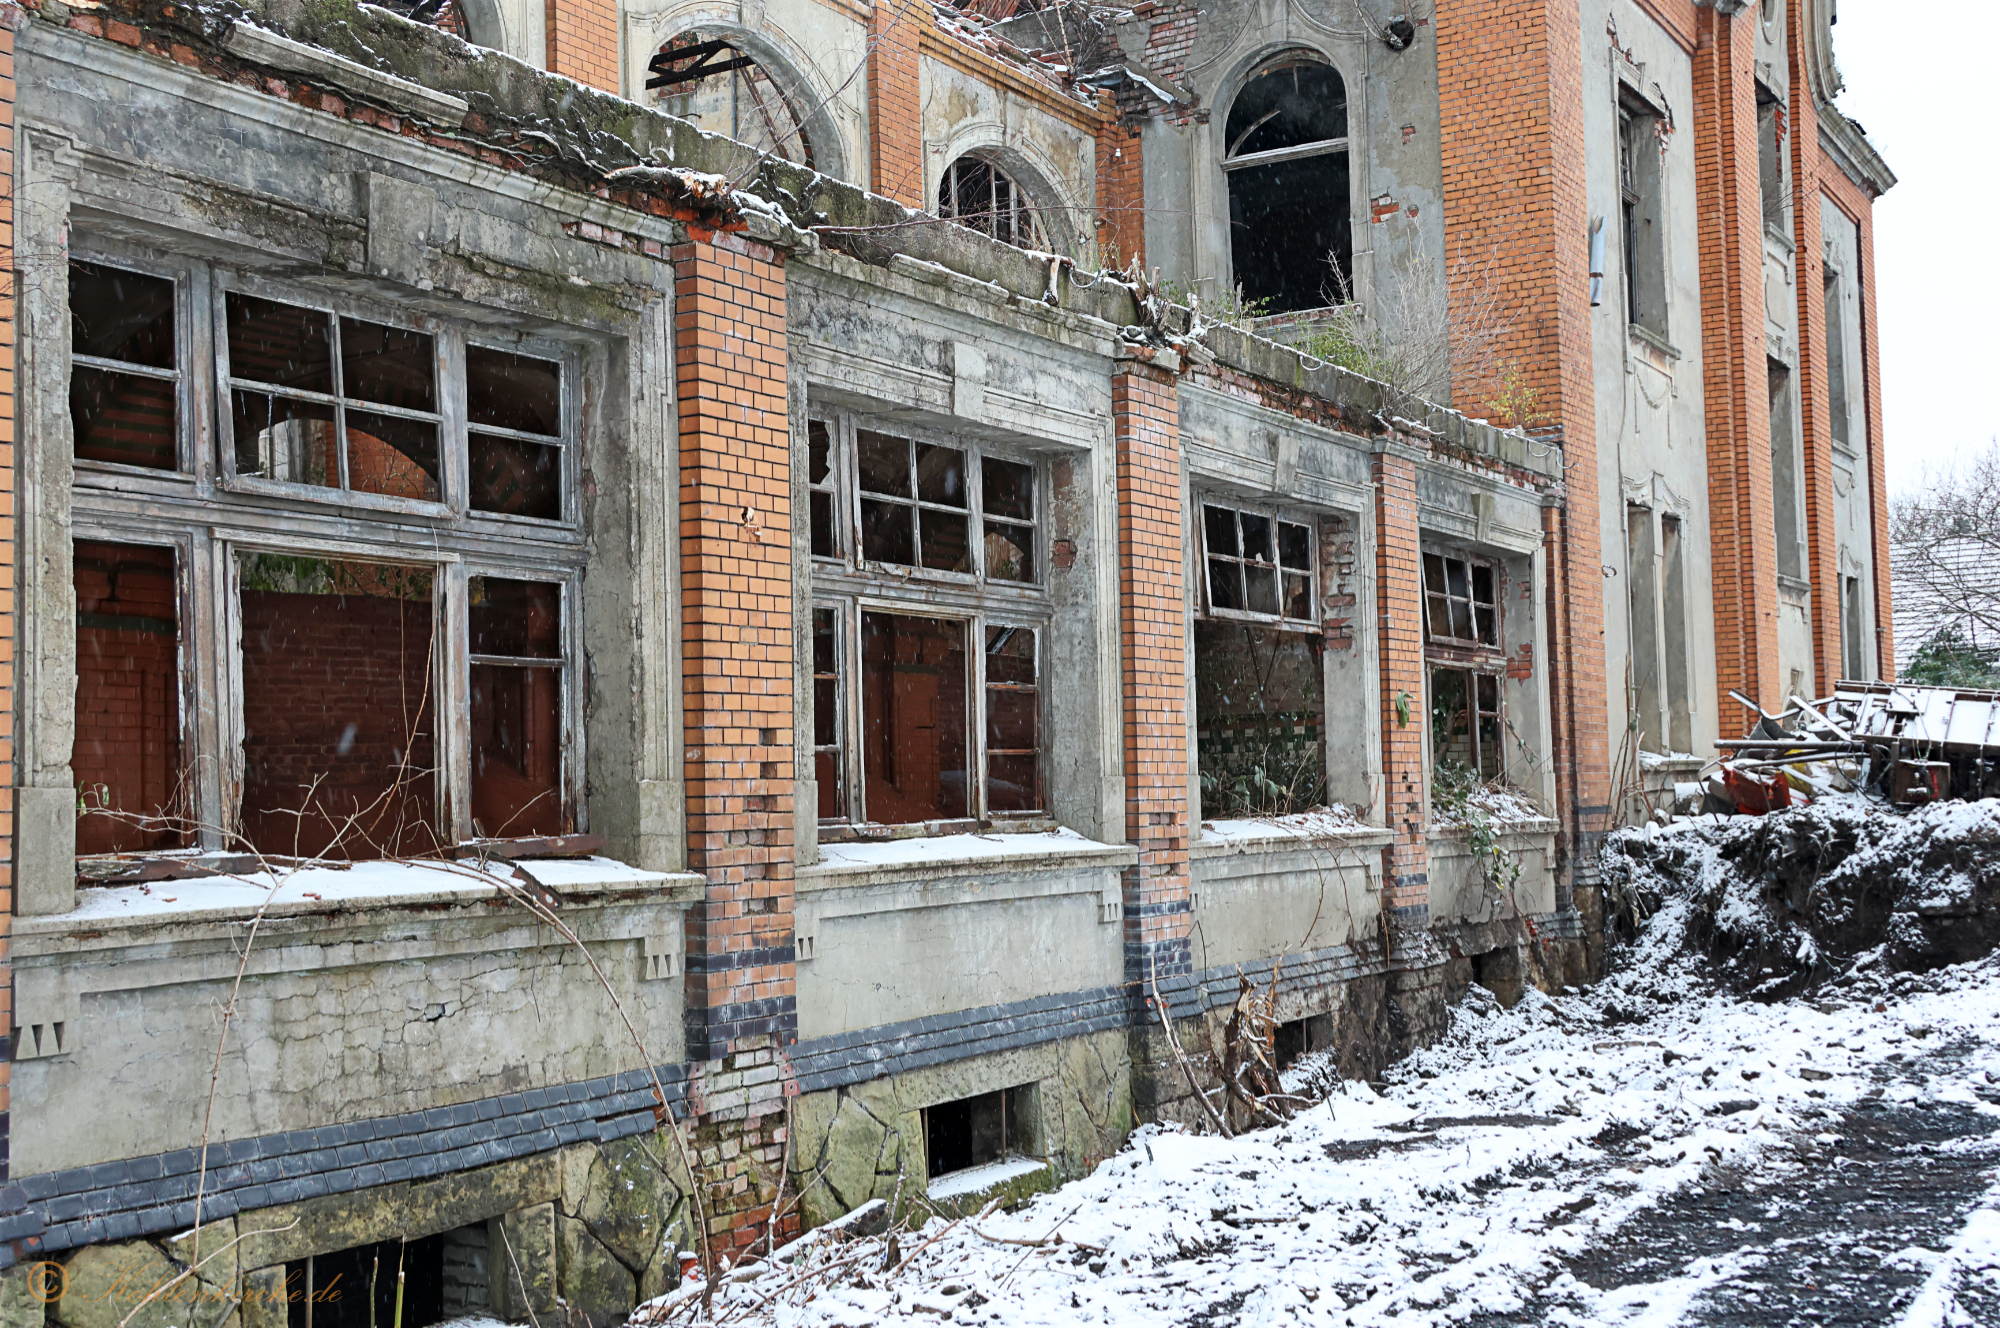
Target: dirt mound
(1781, 902)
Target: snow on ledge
(1328, 825)
(308, 890)
(987, 1176)
(970, 851)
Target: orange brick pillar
(8, 400)
(582, 37)
(736, 641)
(1815, 419)
(1121, 193)
(1152, 621)
(1405, 685)
(1743, 539)
(895, 113)
(1511, 81)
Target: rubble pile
(1785, 901)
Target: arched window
(976, 193)
(715, 84)
(1291, 242)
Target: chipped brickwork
(895, 113)
(1399, 644)
(1121, 195)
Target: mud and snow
(1656, 1150)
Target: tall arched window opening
(716, 85)
(978, 194)
(1291, 240)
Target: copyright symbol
(47, 1281)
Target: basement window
(124, 385)
(977, 1131)
(444, 1276)
(127, 755)
(1285, 151)
(928, 629)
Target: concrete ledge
(1277, 837)
(264, 47)
(950, 859)
(1525, 833)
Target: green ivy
(1452, 785)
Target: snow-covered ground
(1476, 1187)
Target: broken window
(1787, 491)
(714, 83)
(928, 711)
(1642, 608)
(331, 402)
(124, 384)
(1644, 225)
(514, 433)
(1286, 154)
(1854, 657)
(339, 718)
(421, 1280)
(1773, 176)
(514, 629)
(1836, 361)
(1466, 663)
(974, 192)
(127, 755)
(1257, 565)
(977, 1131)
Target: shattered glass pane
(127, 751)
(388, 454)
(1434, 574)
(124, 419)
(1010, 552)
(1298, 596)
(508, 391)
(913, 718)
(1482, 583)
(1259, 704)
(1219, 524)
(1455, 579)
(1440, 615)
(1225, 587)
(826, 715)
(119, 315)
(514, 619)
(823, 544)
(884, 462)
(1261, 584)
(279, 344)
(389, 366)
(1009, 489)
(1451, 718)
(1295, 546)
(1257, 537)
(516, 716)
(339, 750)
(1489, 632)
(1461, 620)
(947, 546)
(1010, 655)
(278, 438)
(887, 533)
(515, 477)
(941, 475)
(819, 467)
(1013, 723)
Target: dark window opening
(1258, 565)
(1462, 600)
(1836, 359)
(739, 98)
(1466, 723)
(980, 195)
(1786, 482)
(513, 410)
(339, 710)
(1013, 722)
(1642, 605)
(515, 635)
(913, 718)
(1643, 229)
(1301, 1037)
(1260, 713)
(1774, 183)
(1007, 504)
(1854, 658)
(820, 483)
(356, 1288)
(127, 756)
(975, 1131)
(124, 386)
(829, 718)
(914, 504)
(1291, 234)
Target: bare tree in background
(1945, 556)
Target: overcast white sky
(1917, 81)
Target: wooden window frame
(1279, 518)
(852, 586)
(1496, 606)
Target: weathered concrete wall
(1461, 890)
(1260, 895)
(1853, 510)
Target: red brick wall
(582, 40)
(1152, 620)
(736, 640)
(1121, 195)
(1400, 645)
(1859, 205)
(1510, 76)
(127, 755)
(1743, 549)
(895, 118)
(8, 18)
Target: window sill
(1286, 834)
(369, 887)
(935, 859)
(1514, 832)
(1646, 336)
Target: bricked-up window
(124, 385)
(927, 627)
(1461, 598)
(127, 757)
(974, 192)
(339, 721)
(1285, 150)
(514, 629)
(1257, 564)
